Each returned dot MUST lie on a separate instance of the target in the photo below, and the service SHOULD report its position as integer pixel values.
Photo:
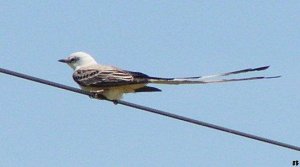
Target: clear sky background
(45, 126)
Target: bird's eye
(74, 59)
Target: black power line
(155, 111)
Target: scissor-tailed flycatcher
(112, 82)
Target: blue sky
(44, 126)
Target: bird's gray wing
(107, 77)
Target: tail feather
(236, 72)
(211, 78)
(147, 89)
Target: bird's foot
(115, 102)
(97, 95)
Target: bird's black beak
(64, 60)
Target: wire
(155, 111)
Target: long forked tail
(216, 78)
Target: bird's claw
(95, 95)
(99, 96)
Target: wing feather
(106, 77)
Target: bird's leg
(97, 95)
(115, 102)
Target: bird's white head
(79, 59)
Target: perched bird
(112, 82)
